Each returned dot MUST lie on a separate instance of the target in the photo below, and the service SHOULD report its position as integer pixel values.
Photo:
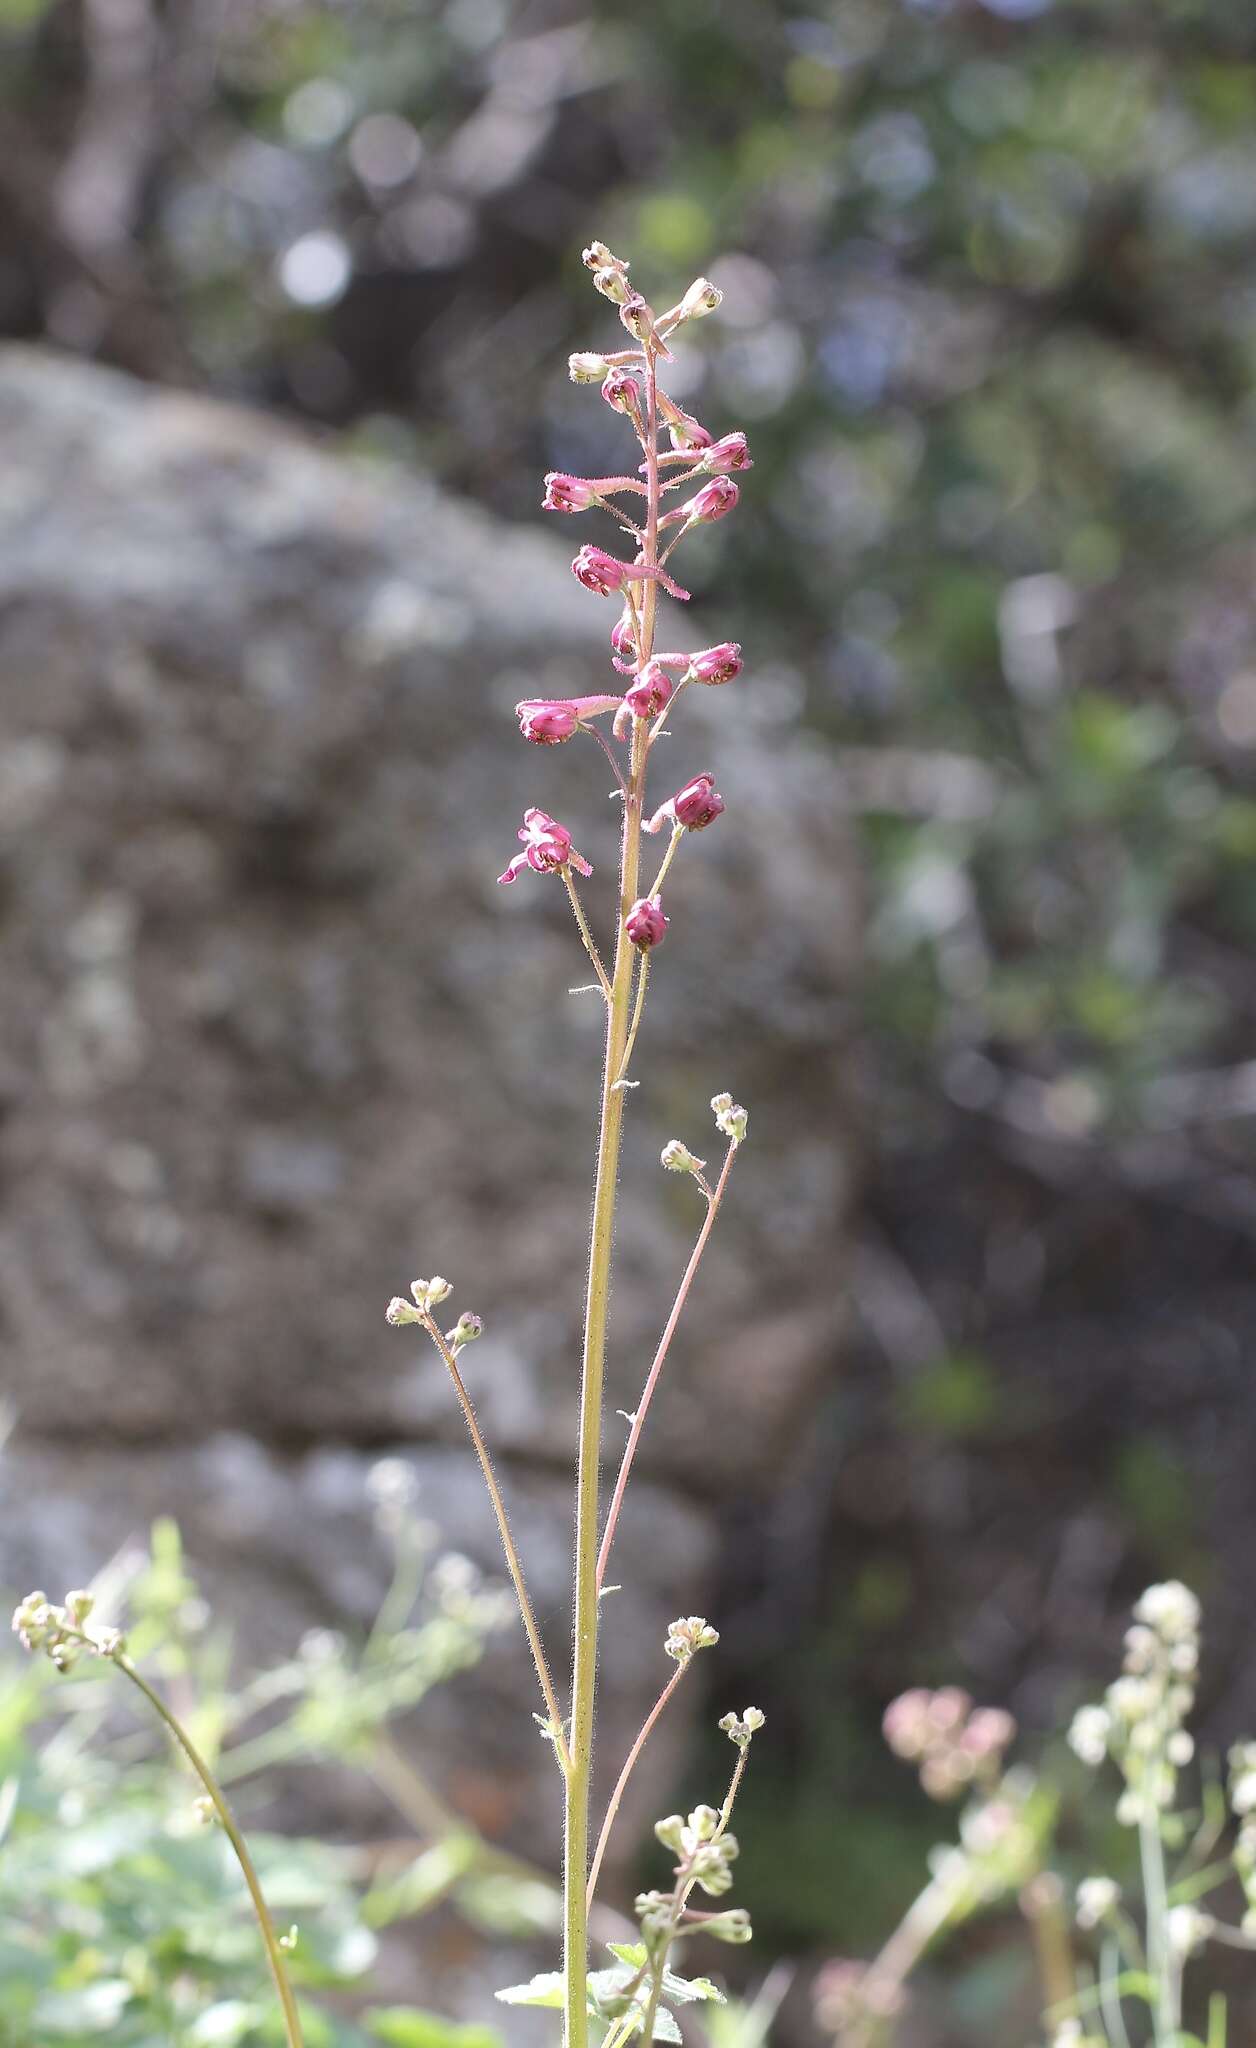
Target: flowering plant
(674, 490)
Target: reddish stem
(652, 1378)
(647, 1730)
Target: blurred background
(974, 941)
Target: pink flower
(729, 452)
(599, 572)
(638, 318)
(624, 645)
(697, 805)
(714, 501)
(645, 923)
(683, 428)
(547, 848)
(622, 392)
(716, 664)
(565, 493)
(549, 720)
(650, 692)
(602, 573)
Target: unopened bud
(400, 1312)
(598, 257)
(430, 1293)
(205, 1810)
(465, 1331)
(646, 924)
(613, 285)
(740, 1727)
(733, 1926)
(670, 1832)
(587, 369)
(730, 1117)
(78, 1606)
(288, 1941)
(677, 1158)
(701, 298)
(687, 1634)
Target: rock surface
(272, 1041)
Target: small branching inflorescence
(673, 491)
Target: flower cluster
(61, 1632)
(653, 681)
(952, 1741)
(1140, 1723)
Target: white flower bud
(1097, 1897)
(677, 1158)
(587, 369)
(400, 1312)
(701, 298)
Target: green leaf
(544, 1989)
(403, 2026)
(690, 1990)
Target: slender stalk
(647, 1729)
(513, 1564)
(643, 977)
(270, 1940)
(1159, 1955)
(583, 927)
(585, 1621)
(652, 1378)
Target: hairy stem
(582, 924)
(647, 1729)
(685, 1885)
(652, 1379)
(270, 1940)
(585, 1623)
(513, 1565)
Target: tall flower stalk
(656, 519)
(631, 1998)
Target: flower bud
(400, 1312)
(698, 804)
(645, 923)
(613, 285)
(546, 725)
(78, 1605)
(687, 1634)
(730, 1117)
(622, 392)
(701, 298)
(714, 501)
(587, 369)
(623, 643)
(715, 664)
(702, 1824)
(637, 316)
(430, 1293)
(729, 452)
(685, 431)
(740, 1728)
(677, 1158)
(598, 257)
(651, 691)
(733, 1926)
(671, 1832)
(1097, 1898)
(465, 1331)
(564, 493)
(599, 572)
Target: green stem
(582, 925)
(270, 1940)
(585, 1623)
(1159, 1956)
